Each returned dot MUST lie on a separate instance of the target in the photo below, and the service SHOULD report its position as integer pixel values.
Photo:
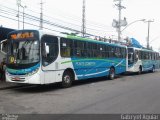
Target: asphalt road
(125, 94)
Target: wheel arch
(71, 71)
(113, 68)
(111, 74)
(141, 67)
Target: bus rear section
(91, 58)
(140, 60)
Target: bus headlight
(33, 72)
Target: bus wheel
(153, 69)
(67, 79)
(140, 71)
(111, 73)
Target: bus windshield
(22, 54)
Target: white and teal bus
(140, 59)
(38, 57)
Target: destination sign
(23, 35)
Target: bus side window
(112, 51)
(106, 51)
(89, 50)
(78, 48)
(65, 51)
(84, 50)
(66, 47)
(136, 55)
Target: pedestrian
(1, 72)
(2, 69)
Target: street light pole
(149, 21)
(143, 20)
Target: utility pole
(23, 13)
(83, 18)
(41, 16)
(119, 22)
(149, 21)
(18, 5)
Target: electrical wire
(10, 11)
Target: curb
(5, 85)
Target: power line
(70, 17)
(95, 25)
(28, 23)
(10, 12)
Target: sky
(99, 16)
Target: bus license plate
(17, 78)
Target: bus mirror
(47, 48)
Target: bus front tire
(111, 73)
(153, 69)
(140, 71)
(67, 79)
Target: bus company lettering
(85, 63)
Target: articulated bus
(140, 59)
(38, 57)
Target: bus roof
(42, 32)
(143, 49)
(93, 40)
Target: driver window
(49, 49)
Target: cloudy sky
(99, 16)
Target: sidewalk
(7, 85)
